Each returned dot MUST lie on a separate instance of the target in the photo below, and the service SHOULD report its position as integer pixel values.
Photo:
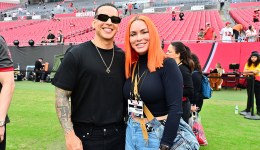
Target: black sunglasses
(104, 18)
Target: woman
(159, 87)
(252, 68)
(251, 34)
(182, 55)
(197, 99)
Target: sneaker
(244, 112)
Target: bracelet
(2, 123)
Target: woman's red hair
(155, 52)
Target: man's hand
(73, 142)
(2, 132)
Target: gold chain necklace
(108, 67)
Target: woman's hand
(194, 108)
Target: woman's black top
(187, 81)
(197, 96)
(161, 91)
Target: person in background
(197, 98)
(181, 15)
(222, 3)
(50, 37)
(209, 32)
(237, 29)
(60, 38)
(125, 9)
(226, 33)
(6, 88)
(43, 41)
(200, 35)
(252, 68)
(52, 14)
(173, 15)
(182, 55)
(159, 87)
(89, 82)
(130, 7)
(256, 15)
(251, 34)
(38, 69)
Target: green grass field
(34, 125)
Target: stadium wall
(26, 56)
(209, 54)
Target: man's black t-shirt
(38, 66)
(51, 37)
(5, 61)
(97, 96)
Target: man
(38, 69)
(130, 7)
(226, 33)
(222, 3)
(6, 89)
(92, 75)
(256, 15)
(60, 38)
(237, 29)
(50, 37)
(209, 32)
(181, 15)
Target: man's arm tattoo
(63, 109)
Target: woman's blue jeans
(185, 139)
(135, 139)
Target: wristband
(2, 123)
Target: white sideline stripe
(211, 57)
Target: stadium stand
(37, 30)
(5, 26)
(244, 4)
(169, 30)
(5, 6)
(244, 16)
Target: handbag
(185, 138)
(198, 129)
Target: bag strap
(136, 93)
(148, 113)
(144, 130)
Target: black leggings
(256, 93)
(236, 33)
(186, 111)
(3, 143)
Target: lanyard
(134, 94)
